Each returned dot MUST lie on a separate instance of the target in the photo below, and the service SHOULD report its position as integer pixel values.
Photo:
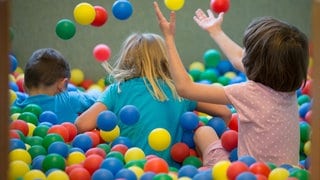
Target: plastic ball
(122, 140)
(192, 160)
(51, 138)
(187, 171)
(179, 152)
(40, 131)
(134, 153)
(101, 52)
(72, 130)
(235, 169)
(249, 160)
(147, 176)
(16, 144)
(129, 114)
(107, 120)
(189, 121)
(101, 16)
(65, 29)
(218, 125)
(94, 137)
(57, 174)
(17, 169)
(20, 154)
(305, 130)
(163, 176)
(102, 174)
(33, 108)
(174, 5)
(112, 164)
(29, 117)
(77, 76)
(187, 138)
(233, 123)
(196, 65)
(300, 174)
(84, 13)
(20, 125)
(120, 148)
(278, 174)
(53, 161)
(246, 175)
(36, 150)
(138, 171)
(34, 174)
(156, 165)
(229, 139)
(75, 157)
(92, 163)
(159, 139)
(96, 151)
(209, 75)
(122, 9)
(219, 6)
(48, 116)
(82, 141)
(211, 58)
(79, 173)
(260, 168)
(109, 136)
(117, 155)
(126, 174)
(60, 148)
(219, 170)
(61, 130)
(195, 74)
(13, 63)
(304, 108)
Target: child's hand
(167, 28)
(208, 23)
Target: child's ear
(63, 84)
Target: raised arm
(212, 25)
(184, 85)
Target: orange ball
(156, 165)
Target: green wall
(33, 23)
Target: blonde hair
(144, 55)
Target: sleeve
(108, 96)
(82, 100)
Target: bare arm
(88, 120)
(184, 85)
(215, 110)
(212, 25)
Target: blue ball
(129, 114)
(16, 144)
(126, 174)
(224, 66)
(107, 120)
(218, 125)
(102, 174)
(304, 108)
(37, 162)
(112, 164)
(13, 63)
(187, 138)
(82, 141)
(203, 175)
(233, 156)
(59, 147)
(246, 176)
(189, 121)
(76, 149)
(13, 86)
(147, 176)
(187, 171)
(122, 140)
(122, 9)
(48, 116)
(248, 160)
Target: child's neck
(51, 91)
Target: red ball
(120, 148)
(87, 83)
(101, 52)
(94, 137)
(101, 16)
(156, 165)
(229, 139)
(219, 6)
(233, 123)
(92, 163)
(20, 84)
(20, 125)
(193, 152)
(307, 88)
(14, 134)
(179, 152)
(79, 173)
(235, 169)
(262, 177)
(72, 130)
(308, 117)
(96, 151)
(61, 130)
(260, 168)
(71, 167)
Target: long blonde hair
(144, 55)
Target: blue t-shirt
(153, 113)
(66, 105)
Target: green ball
(303, 98)
(29, 117)
(51, 138)
(33, 108)
(34, 140)
(65, 29)
(192, 160)
(138, 163)
(211, 58)
(271, 165)
(162, 176)
(15, 109)
(195, 74)
(223, 80)
(21, 135)
(104, 147)
(304, 131)
(53, 161)
(204, 120)
(209, 75)
(116, 154)
(40, 131)
(300, 174)
(37, 150)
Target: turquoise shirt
(153, 113)
(66, 105)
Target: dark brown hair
(276, 54)
(45, 67)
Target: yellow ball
(17, 169)
(77, 76)
(159, 139)
(134, 153)
(174, 5)
(95, 87)
(12, 95)
(34, 174)
(101, 83)
(20, 154)
(31, 129)
(219, 170)
(279, 174)
(58, 174)
(197, 65)
(109, 136)
(84, 13)
(15, 116)
(12, 78)
(230, 74)
(75, 157)
(307, 148)
(137, 171)
(19, 70)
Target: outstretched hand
(167, 28)
(208, 22)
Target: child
(46, 78)
(275, 60)
(142, 79)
